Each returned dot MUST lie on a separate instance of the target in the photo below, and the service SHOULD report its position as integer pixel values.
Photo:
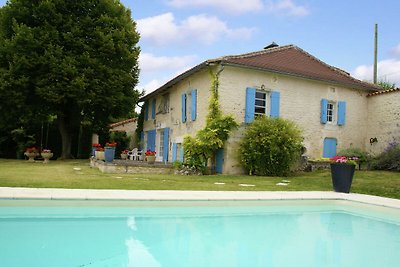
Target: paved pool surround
(159, 195)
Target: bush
(388, 159)
(354, 152)
(270, 147)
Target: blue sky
(179, 34)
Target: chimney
(272, 45)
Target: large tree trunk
(66, 137)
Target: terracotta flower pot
(150, 159)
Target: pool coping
(160, 195)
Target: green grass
(61, 174)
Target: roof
(384, 92)
(116, 124)
(288, 60)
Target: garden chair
(135, 154)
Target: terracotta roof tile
(384, 92)
(292, 60)
(288, 60)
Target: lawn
(78, 174)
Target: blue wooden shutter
(151, 140)
(193, 107)
(183, 107)
(341, 113)
(166, 144)
(146, 110)
(324, 110)
(275, 99)
(174, 151)
(250, 104)
(153, 109)
(329, 147)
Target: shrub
(388, 159)
(270, 146)
(354, 152)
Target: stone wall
(300, 101)
(383, 121)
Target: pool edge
(108, 194)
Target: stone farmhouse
(334, 110)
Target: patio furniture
(135, 154)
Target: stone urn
(46, 156)
(124, 156)
(31, 156)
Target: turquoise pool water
(198, 233)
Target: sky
(179, 34)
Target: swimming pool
(198, 233)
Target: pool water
(198, 233)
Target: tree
(77, 60)
(386, 85)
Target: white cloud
(163, 29)
(149, 62)
(388, 70)
(280, 7)
(286, 7)
(396, 51)
(234, 6)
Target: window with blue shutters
(183, 108)
(333, 112)
(257, 102)
(174, 152)
(193, 105)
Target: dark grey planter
(342, 176)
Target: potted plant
(94, 147)
(150, 156)
(100, 153)
(109, 151)
(46, 155)
(124, 154)
(342, 170)
(31, 153)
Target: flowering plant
(150, 153)
(96, 145)
(46, 151)
(111, 144)
(126, 151)
(344, 159)
(31, 150)
(99, 149)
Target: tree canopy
(76, 60)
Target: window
(260, 105)
(163, 108)
(330, 111)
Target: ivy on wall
(207, 141)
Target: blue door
(219, 160)
(151, 140)
(329, 147)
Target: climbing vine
(203, 146)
